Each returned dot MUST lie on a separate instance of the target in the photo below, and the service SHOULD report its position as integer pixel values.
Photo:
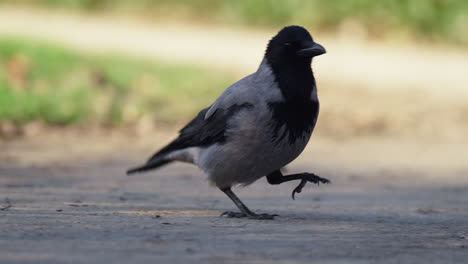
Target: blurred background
(395, 70)
(90, 88)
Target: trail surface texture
(82, 208)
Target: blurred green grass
(433, 20)
(46, 82)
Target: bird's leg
(277, 177)
(244, 211)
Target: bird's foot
(308, 177)
(250, 215)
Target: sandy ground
(67, 200)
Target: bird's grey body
(251, 151)
(257, 125)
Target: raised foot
(308, 177)
(250, 216)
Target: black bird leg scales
(277, 177)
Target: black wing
(199, 132)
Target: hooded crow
(257, 126)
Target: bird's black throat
(298, 112)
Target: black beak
(311, 49)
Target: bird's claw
(251, 216)
(229, 214)
(299, 187)
(308, 177)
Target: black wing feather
(202, 132)
(199, 132)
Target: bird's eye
(287, 44)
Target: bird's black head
(293, 44)
(289, 55)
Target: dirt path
(438, 71)
(81, 208)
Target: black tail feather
(149, 166)
(157, 159)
